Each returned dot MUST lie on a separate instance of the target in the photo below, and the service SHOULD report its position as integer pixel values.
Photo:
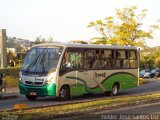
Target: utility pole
(3, 48)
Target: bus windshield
(41, 60)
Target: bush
(12, 79)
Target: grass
(12, 79)
(83, 107)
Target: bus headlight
(20, 77)
(21, 80)
(50, 79)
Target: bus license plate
(33, 93)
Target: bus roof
(77, 45)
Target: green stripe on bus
(126, 80)
(78, 88)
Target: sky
(67, 20)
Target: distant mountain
(12, 42)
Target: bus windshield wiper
(34, 60)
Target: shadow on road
(82, 97)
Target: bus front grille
(33, 83)
(37, 90)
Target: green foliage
(11, 43)
(153, 59)
(11, 55)
(12, 79)
(19, 48)
(79, 41)
(125, 29)
(40, 40)
(156, 58)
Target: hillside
(13, 42)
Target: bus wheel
(64, 93)
(115, 89)
(31, 98)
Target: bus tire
(31, 98)
(115, 89)
(64, 93)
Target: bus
(64, 70)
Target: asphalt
(140, 112)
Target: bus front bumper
(45, 90)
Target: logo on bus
(39, 79)
(100, 75)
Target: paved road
(141, 112)
(20, 99)
(153, 108)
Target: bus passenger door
(73, 62)
(81, 78)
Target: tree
(50, 39)
(156, 58)
(123, 29)
(11, 57)
(19, 48)
(153, 59)
(40, 40)
(10, 42)
(79, 41)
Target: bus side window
(118, 64)
(92, 59)
(97, 63)
(72, 60)
(65, 62)
(126, 64)
(107, 59)
(133, 59)
(89, 58)
(76, 60)
(126, 61)
(121, 59)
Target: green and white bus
(64, 70)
